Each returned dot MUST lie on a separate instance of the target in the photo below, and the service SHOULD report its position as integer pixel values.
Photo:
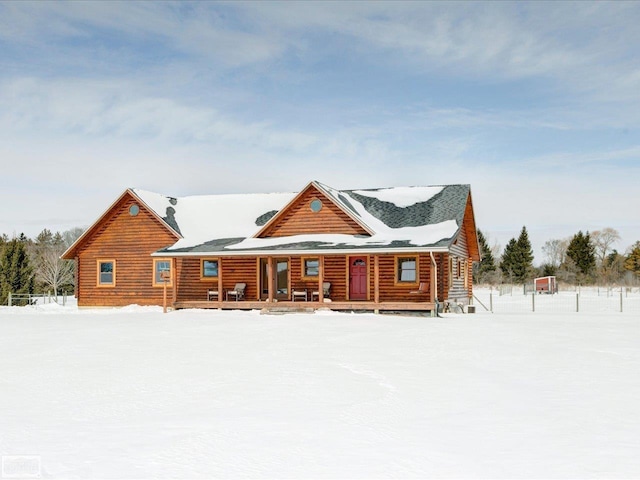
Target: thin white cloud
(490, 39)
(630, 157)
(98, 109)
(573, 44)
(190, 28)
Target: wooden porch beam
(269, 279)
(320, 278)
(220, 284)
(434, 278)
(376, 280)
(174, 270)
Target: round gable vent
(315, 205)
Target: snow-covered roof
(202, 218)
(402, 196)
(399, 218)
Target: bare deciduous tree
(70, 236)
(555, 251)
(52, 270)
(602, 241)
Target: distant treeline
(585, 258)
(34, 265)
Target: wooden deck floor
(300, 306)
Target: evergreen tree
(517, 259)
(507, 264)
(582, 251)
(612, 269)
(16, 274)
(632, 263)
(525, 260)
(548, 270)
(483, 271)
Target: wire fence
(592, 299)
(22, 299)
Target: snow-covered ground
(133, 393)
(583, 300)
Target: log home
(402, 248)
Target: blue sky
(536, 105)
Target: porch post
(320, 278)
(376, 282)
(376, 279)
(220, 286)
(270, 278)
(174, 269)
(434, 278)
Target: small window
(162, 270)
(106, 273)
(134, 210)
(311, 267)
(315, 205)
(209, 269)
(406, 269)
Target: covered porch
(358, 281)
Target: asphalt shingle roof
(396, 218)
(449, 204)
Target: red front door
(358, 278)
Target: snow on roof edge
(197, 234)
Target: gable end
(125, 200)
(312, 211)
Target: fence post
(9, 300)
(620, 300)
(577, 302)
(533, 302)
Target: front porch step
(284, 310)
(306, 307)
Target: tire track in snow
(380, 414)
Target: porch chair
(213, 295)
(237, 292)
(326, 290)
(422, 288)
(300, 293)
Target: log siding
(129, 241)
(460, 262)
(299, 218)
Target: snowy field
(582, 300)
(133, 393)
